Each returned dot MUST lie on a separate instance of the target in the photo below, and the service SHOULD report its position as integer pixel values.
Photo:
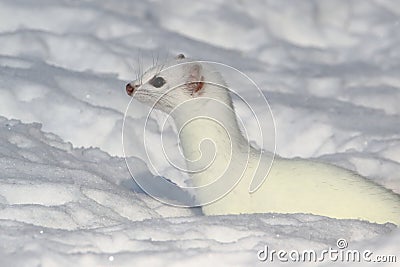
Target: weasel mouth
(129, 89)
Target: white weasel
(191, 90)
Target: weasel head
(180, 80)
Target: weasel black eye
(157, 81)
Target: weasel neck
(218, 125)
(210, 138)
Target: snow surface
(329, 69)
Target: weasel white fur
(219, 157)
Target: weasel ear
(180, 56)
(195, 81)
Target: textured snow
(329, 69)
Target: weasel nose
(129, 89)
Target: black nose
(129, 89)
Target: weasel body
(223, 164)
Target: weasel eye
(157, 81)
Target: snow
(329, 70)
